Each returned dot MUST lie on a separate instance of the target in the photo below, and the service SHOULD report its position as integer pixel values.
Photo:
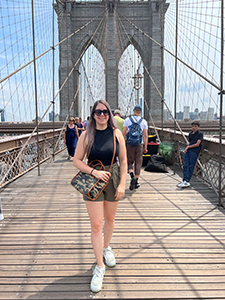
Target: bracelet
(92, 171)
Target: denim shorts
(108, 194)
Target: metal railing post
(175, 83)
(35, 87)
(221, 104)
(162, 63)
(53, 80)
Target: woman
(97, 143)
(71, 137)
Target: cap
(138, 108)
(117, 111)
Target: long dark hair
(91, 127)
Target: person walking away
(71, 137)
(191, 154)
(135, 132)
(80, 126)
(80, 121)
(118, 119)
(97, 142)
(86, 123)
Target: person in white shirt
(135, 150)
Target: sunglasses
(71, 120)
(98, 112)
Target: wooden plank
(168, 242)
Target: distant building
(50, 117)
(57, 117)
(186, 112)
(216, 117)
(210, 113)
(2, 112)
(203, 115)
(180, 116)
(194, 116)
(166, 115)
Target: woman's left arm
(123, 165)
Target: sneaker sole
(132, 184)
(108, 265)
(96, 291)
(183, 187)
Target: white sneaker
(97, 279)
(109, 257)
(1, 216)
(184, 184)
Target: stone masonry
(111, 39)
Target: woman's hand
(103, 175)
(120, 191)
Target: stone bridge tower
(147, 15)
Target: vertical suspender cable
(67, 53)
(175, 83)
(221, 104)
(35, 88)
(162, 64)
(53, 81)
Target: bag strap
(132, 121)
(114, 152)
(114, 145)
(139, 122)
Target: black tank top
(103, 148)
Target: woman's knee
(96, 226)
(109, 220)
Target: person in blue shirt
(71, 136)
(86, 123)
(191, 154)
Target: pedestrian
(71, 136)
(86, 123)
(80, 121)
(97, 142)
(118, 119)
(191, 153)
(1, 212)
(135, 132)
(79, 124)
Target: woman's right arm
(65, 135)
(80, 154)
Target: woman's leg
(95, 212)
(109, 216)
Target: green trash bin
(166, 149)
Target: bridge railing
(209, 157)
(28, 159)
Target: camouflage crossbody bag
(89, 185)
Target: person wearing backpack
(135, 132)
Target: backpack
(134, 136)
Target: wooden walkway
(169, 243)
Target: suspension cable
(184, 63)
(51, 48)
(15, 160)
